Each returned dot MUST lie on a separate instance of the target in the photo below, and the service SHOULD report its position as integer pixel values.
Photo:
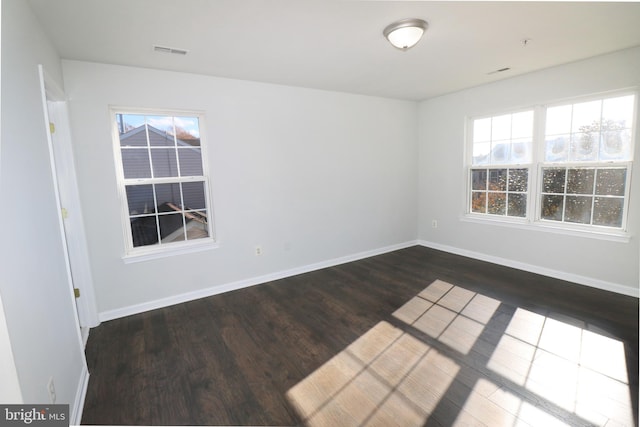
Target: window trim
(143, 253)
(533, 221)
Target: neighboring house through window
(574, 173)
(163, 184)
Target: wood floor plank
(413, 337)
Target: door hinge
(52, 128)
(76, 292)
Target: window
(163, 185)
(573, 174)
(500, 166)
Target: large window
(163, 185)
(565, 165)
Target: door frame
(67, 196)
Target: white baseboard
(78, 404)
(570, 277)
(202, 293)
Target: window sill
(596, 233)
(145, 254)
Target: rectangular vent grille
(165, 49)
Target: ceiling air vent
(501, 70)
(165, 49)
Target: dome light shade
(405, 33)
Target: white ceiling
(338, 45)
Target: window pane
(500, 152)
(607, 211)
(552, 207)
(144, 231)
(482, 130)
(517, 205)
(615, 145)
(190, 161)
(556, 148)
(197, 225)
(618, 110)
(479, 202)
(611, 182)
(522, 125)
(518, 179)
(171, 227)
(501, 127)
(584, 146)
(578, 209)
(553, 180)
(580, 181)
(161, 131)
(193, 194)
(479, 179)
(168, 196)
(481, 153)
(586, 116)
(135, 163)
(521, 151)
(558, 120)
(497, 203)
(127, 123)
(498, 179)
(188, 130)
(140, 199)
(164, 162)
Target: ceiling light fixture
(405, 33)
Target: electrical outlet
(258, 250)
(434, 223)
(51, 389)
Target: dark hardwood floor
(413, 337)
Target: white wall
(309, 175)
(600, 263)
(36, 296)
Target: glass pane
(608, 211)
(552, 207)
(190, 161)
(479, 202)
(161, 131)
(518, 179)
(584, 146)
(144, 231)
(556, 148)
(481, 153)
(197, 225)
(171, 227)
(500, 151)
(558, 120)
(168, 197)
(615, 145)
(618, 110)
(135, 163)
(578, 209)
(140, 199)
(580, 181)
(553, 180)
(479, 179)
(611, 182)
(586, 116)
(522, 125)
(517, 205)
(164, 162)
(498, 179)
(497, 203)
(520, 151)
(193, 194)
(127, 124)
(501, 127)
(482, 130)
(187, 130)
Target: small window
(163, 182)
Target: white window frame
(533, 219)
(148, 252)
